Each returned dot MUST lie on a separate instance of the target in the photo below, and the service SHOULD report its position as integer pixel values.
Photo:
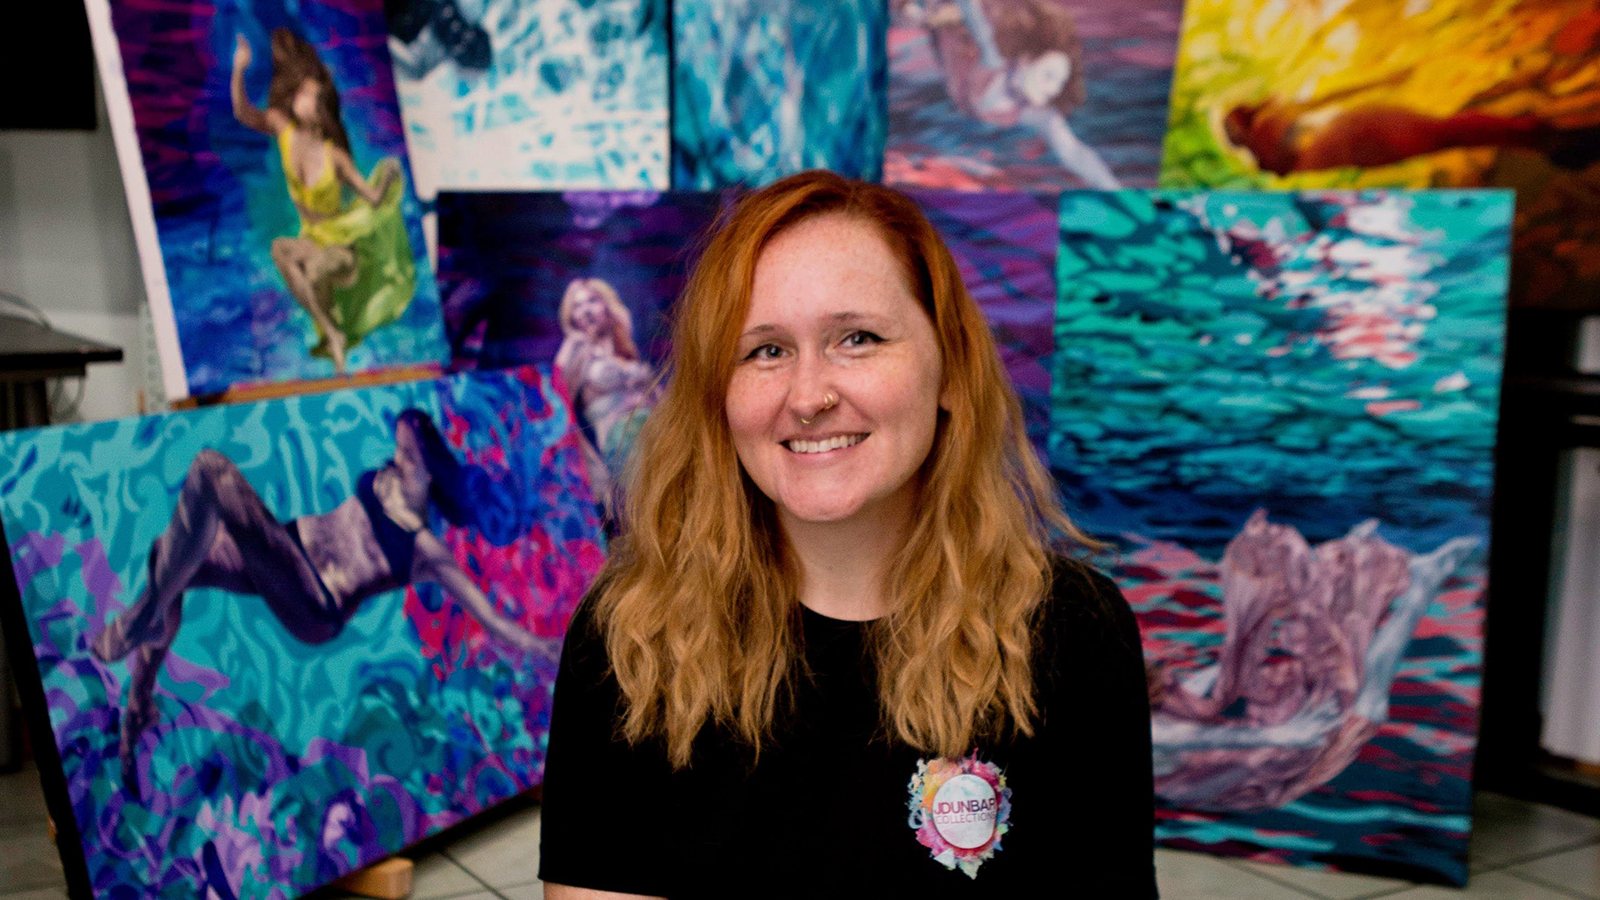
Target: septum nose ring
(829, 401)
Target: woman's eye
(861, 339)
(765, 351)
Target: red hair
(698, 602)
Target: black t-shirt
(832, 808)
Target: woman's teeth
(833, 443)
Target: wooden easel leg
(386, 880)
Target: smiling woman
(836, 581)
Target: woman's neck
(842, 563)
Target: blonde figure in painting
(350, 266)
(610, 387)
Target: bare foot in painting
(336, 347)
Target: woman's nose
(810, 387)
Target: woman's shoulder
(1085, 608)
(584, 647)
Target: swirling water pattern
(276, 766)
(767, 88)
(1331, 358)
(218, 188)
(575, 97)
(1005, 245)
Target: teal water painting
(1281, 410)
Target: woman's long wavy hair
(699, 603)
(295, 60)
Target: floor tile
(1192, 876)
(533, 891)
(22, 799)
(30, 860)
(1575, 871)
(1328, 885)
(505, 853)
(1508, 831)
(1484, 886)
(437, 877)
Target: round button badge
(964, 811)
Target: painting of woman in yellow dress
(351, 265)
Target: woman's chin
(821, 511)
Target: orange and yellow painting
(1292, 94)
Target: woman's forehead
(827, 266)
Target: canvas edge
(136, 187)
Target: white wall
(66, 245)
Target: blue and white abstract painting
(529, 94)
(767, 88)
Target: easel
(388, 879)
(281, 389)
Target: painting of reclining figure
(1370, 93)
(280, 641)
(1281, 409)
(267, 178)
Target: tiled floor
(1520, 851)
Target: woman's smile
(830, 446)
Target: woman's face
(589, 312)
(831, 312)
(304, 104)
(409, 462)
(1042, 79)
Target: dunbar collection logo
(960, 808)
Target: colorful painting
(1462, 93)
(1281, 410)
(768, 88)
(279, 641)
(583, 281)
(580, 281)
(1029, 95)
(266, 170)
(1005, 245)
(531, 94)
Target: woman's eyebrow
(760, 330)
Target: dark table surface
(29, 349)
